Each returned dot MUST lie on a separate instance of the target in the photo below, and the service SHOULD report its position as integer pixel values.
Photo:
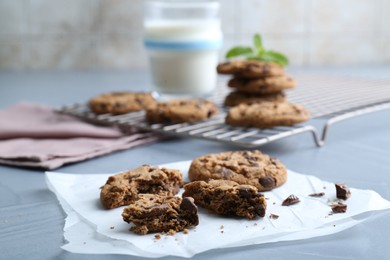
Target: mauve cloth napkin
(36, 136)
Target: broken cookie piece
(154, 213)
(124, 188)
(227, 198)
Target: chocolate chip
(245, 192)
(130, 179)
(187, 204)
(342, 191)
(339, 208)
(266, 69)
(319, 194)
(267, 182)
(290, 200)
(207, 199)
(225, 172)
(260, 210)
(157, 211)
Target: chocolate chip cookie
(250, 69)
(124, 188)
(267, 85)
(236, 98)
(227, 198)
(266, 115)
(153, 213)
(244, 167)
(181, 110)
(117, 103)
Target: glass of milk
(182, 39)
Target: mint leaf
(276, 57)
(271, 56)
(258, 53)
(258, 42)
(239, 51)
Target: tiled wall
(107, 34)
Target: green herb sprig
(257, 53)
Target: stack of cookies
(255, 82)
(259, 100)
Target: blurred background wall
(107, 34)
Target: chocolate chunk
(267, 182)
(260, 209)
(225, 171)
(188, 204)
(290, 200)
(339, 208)
(156, 211)
(318, 194)
(245, 192)
(342, 191)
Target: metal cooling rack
(334, 98)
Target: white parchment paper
(90, 228)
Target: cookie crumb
(221, 231)
(186, 231)
(171, 232)
(111, 227)
(221, 227)
(157, 236)
(273, 216)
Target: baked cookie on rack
(244, 167)
(125, 188)
(236, 98)
(250, 68)
(227, 198)
(181, 110)
(117, 103)
(154, 213)
(267, 115)
(266, 85)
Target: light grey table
(357, 152)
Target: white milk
(183, 55)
